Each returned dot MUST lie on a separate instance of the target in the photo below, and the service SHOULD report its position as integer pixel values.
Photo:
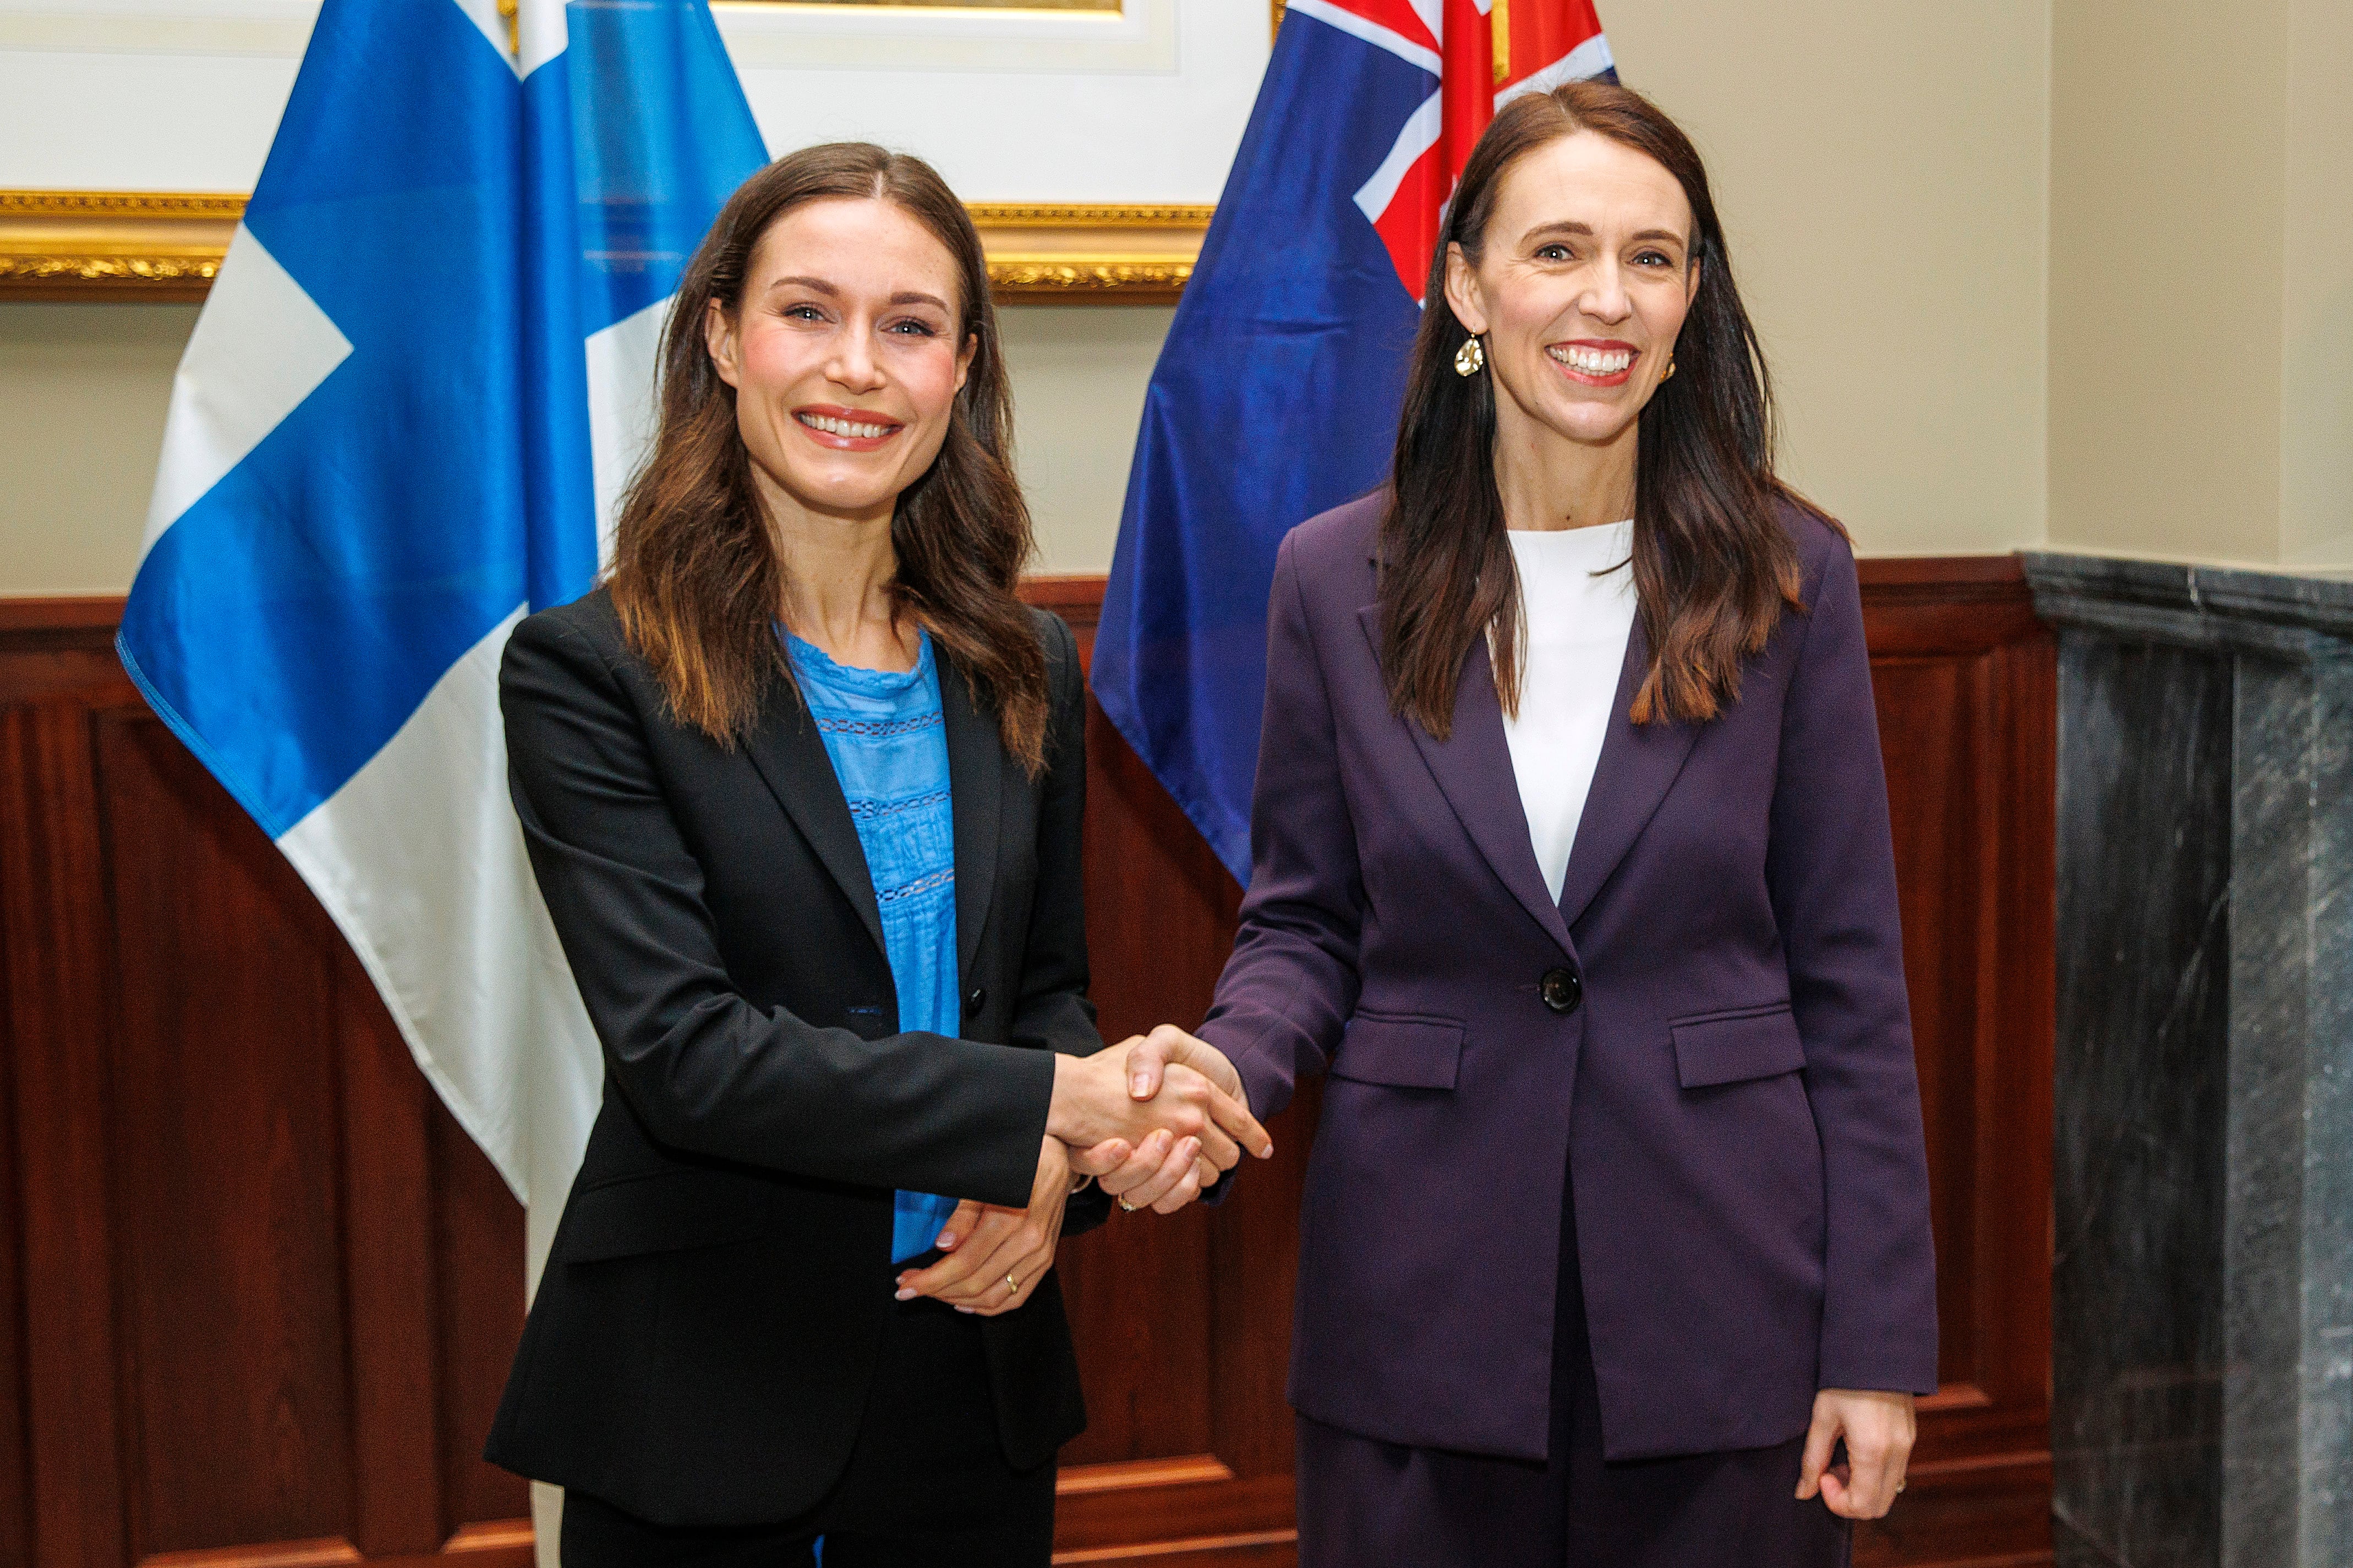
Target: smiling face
(844, 356)
(1582, 283)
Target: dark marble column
(2202, 1377)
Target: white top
(1577, 624)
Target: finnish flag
(418, 385)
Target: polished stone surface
(2202, 1409)
(2288, 1416)
(2194, 607)
(2139, 1101)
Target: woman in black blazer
(834, 953)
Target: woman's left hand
(1878, 1429)
(997, 1256)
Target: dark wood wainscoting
(1968, 686)
(267, 1290)
(257, 1292)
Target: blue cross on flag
(416, 391)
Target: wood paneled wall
(1967, 687)
(266, 1289)
(257, 1292)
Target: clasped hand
(1168, 1168)
(1154, 1120)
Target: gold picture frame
(163, 245)
(166, 246)
(112, 245)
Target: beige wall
(1078, 372)
(2316, 301)
(1881, 171)
(83, 393)
(83, 390)
(2166, 184)
(2064, 271)
(1880, 168)
(2202, 281)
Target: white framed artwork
(1074, 103)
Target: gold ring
(1126, 1207)
(1015, 1285)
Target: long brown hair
(696, 577)
(1713, 563)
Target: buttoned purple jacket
(1731, 1083)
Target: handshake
(1153, 1120)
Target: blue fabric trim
(886, 733)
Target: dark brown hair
(696, 577)
(1713, 563)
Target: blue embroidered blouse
(888, 739)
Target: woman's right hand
(1092, 1105)
(1164, 1174)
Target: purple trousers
(1365, 1501)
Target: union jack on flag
(1484, 53)
(1276, 394)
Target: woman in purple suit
(1572, 869)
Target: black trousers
(1365, 1501)
(927, 1481)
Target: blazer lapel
(1637, 766)
(790, 755)
(977, 764)
(1473, 770)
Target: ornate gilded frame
(166, 246)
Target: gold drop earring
(1471, 358)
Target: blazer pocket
(668, 1211)
(1731, 1048)
(1401, 1053)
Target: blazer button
(974, 1000)
(1561, 990)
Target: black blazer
(700, 1345)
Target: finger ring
(1015, 1285)
(1899, 1486)
(1126, 1207)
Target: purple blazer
(1709, 1030)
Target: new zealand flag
(1276, 395)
